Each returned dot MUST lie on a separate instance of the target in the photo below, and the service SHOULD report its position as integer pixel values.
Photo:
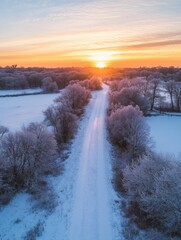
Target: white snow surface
(18, 217)
(165, 132)
(19, 91)
(18, 111)
(87, 204)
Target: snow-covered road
(91, 211)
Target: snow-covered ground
(19, 91)
(86, 208)
(17, 218)
(16, 111)
(166, 133)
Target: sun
(100, 64)
(101, 59)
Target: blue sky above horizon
(59, 32)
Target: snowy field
(166, 132)
(19, 91)
(16, 111)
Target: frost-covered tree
(117, 85)
(17, 151)
(95, 83)
(62, 120)
(154, 83)
(26, 153)
(177, 95)
(170, 87)
(48, 85)
(35, 79)
(155, 185)
(114, 86)
(130, 96)
(76, 97)
(63, 115)
(45, 146)
(129, 130)
(13, 81)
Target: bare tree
(154, 83)
(144, 86)
(177, 95)
(170, 87)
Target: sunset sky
(118, 33)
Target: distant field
(166, 133)
(16, 111)
(19, 91)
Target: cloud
(153, 44)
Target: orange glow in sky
(98, 33)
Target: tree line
(148, 183)
(148, 93)
(49, 79)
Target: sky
(114, 33)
